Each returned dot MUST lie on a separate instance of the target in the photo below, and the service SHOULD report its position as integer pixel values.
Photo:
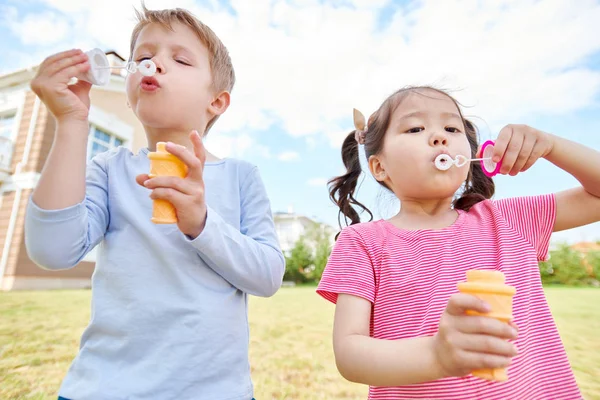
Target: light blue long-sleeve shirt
(169, 315)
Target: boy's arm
(579, 206)
(60, 227)
(249, 258)
(62, 183)
(60, 238)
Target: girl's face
(427, 123)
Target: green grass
(290, 348)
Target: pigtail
(342, 188)
(478, 186)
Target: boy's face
(180, 94)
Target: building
(26, 135)
(291, 226)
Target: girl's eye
(140, 59)
(183, 62)
(415, 130)
(452, 129)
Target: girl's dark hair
(477, 187)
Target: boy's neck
(177, 137)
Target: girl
(400, 325)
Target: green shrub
(298, 263)
(568, 267)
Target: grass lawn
(290, 347)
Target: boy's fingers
(199, 150)
(171, 182)
(176, 198)
(193, 163)
(55, 57)
(74, 70)
(63, 64)
(141, 179)
(81, 87)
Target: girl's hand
(465, 343)
(519, 146)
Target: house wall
(19, 271)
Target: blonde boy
(169, 303)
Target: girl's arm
(579, 206)
(377, 362)
(520, 146)
(463, 343)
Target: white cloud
(41, 29)
(305, 64)
(238, 146)
(228, 146)
(317, 182)
(288, 156)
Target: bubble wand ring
(146, 67)
(444, 162)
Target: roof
(585, 247)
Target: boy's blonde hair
(221, 67)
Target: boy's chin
(157, 118)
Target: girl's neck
(428, 214)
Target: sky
(302, 66)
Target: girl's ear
(377, 168)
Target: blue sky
(303, 65)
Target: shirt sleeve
(532, 218)
(59, 239)
(349, 270)
(249, 258)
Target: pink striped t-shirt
(408, 276)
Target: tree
(321, 256)
(319, 237)
(298, 263)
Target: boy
(169, 303)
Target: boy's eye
(140, 59)
(415, 130)
(183, 62)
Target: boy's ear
(220, 103)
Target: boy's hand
(465, 343)
(51, 85)
(187, 194)
(519, 147)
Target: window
(8, 121)
(101, 140)
(7, 124)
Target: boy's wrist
(65, 126)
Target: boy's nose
(159, 66)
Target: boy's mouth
(149, 83)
